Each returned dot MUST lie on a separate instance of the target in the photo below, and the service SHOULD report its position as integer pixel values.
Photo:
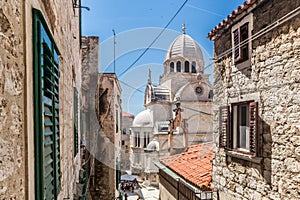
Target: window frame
(226, 123)
(236, 120)
(242, 61)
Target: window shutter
(51, 123)
(76, 128)
(253, 112)
(224, 135)
(236, 43)
(243, 37)
(46, 111)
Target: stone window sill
(242, 156)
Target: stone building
(108, 157)
(40, 82)
(127, 120)
(89, 122)
(183, 80)
(256, 97)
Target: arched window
(186, 66)
(193, 67)
(178, 66)
(171, 67)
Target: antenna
(114, 50)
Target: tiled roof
(247, 4)
(125, 114)
(194, 165)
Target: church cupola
(183, 56)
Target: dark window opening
(171, 67)
(193, 67)
(178, 66)
(186, 66)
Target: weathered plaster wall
(273, 81)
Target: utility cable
(131, 86)
(199, 111)
(161, 32)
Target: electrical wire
(161, 32)
(199, 111)
(131, 86)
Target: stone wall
(273, 81)
(125, 157)
(108, 104)
(16, 94)
(12, 72)
(89, 69)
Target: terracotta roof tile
(194, 165)
(125, 114)
(242, 8)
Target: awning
(128, 177)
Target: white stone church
(183, 81)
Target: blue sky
(137, 23)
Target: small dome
(143, 119)
(184, 46)
(153, 145)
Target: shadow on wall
(261, 168)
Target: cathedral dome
(184, 46)
(143, 119)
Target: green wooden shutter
(46, 106)
(75, 122)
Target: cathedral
(183, 82)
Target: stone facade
(108, 157)
(90, 64)
(127, 120)
(271, 80)
(17, 149)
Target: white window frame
(236, 132)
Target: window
(241, 46)
(238, 127)
(46, 110)
(145, 140)
(193, 67)
(178, 66)
(241, 43)
(137, 141)
(171, 67)
(124, 131)
(117, 121)
(186, 66)
(123, 142)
